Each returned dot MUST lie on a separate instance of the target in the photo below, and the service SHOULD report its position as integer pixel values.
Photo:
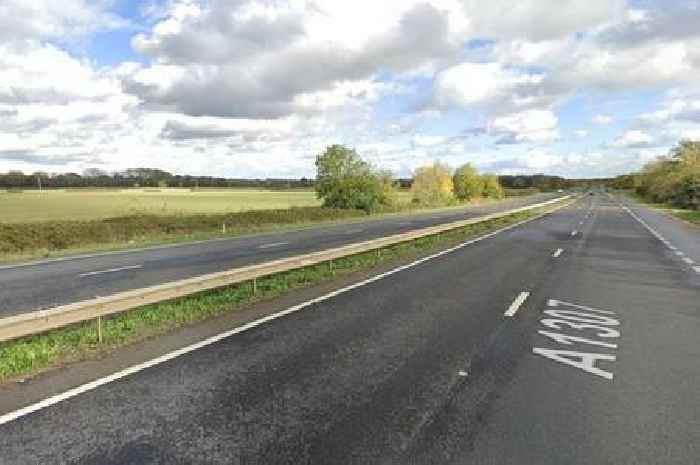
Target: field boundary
(40, 321)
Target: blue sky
(249, 88)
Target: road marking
(462, 373)
(557, 253)
(273, 244)
(517, 303)
(112, 270)
(586, 320)
(675, 250)
(573, 233)
(48, 402)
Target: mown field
(32, 206)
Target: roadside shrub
(468, 183)
(493, 188)
(19, 238)
(674, 178)
(345, 181)
(433, 185)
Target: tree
(492, 188)
(468, 184)
(432, 185)
(344, 180)
(674, 178)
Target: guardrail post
(99, 329)
(223, 228)
(255, 286)
(330, 266)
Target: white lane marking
(675, 250)
(48, 402)
(557, 253)
(517, 303)
(573, 233)
(462, 373)
(273, 244)
(111, 270)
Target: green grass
(691, 216)
(33, 354)
(82, 205)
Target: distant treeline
(150, 177)
(138, 177)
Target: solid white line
(557, 253)
(517, 303)
(209, 341)
(112, 270)
(273, 244)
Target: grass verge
(31, 355)
(690, 216)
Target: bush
(492, 188)
(675, 178)
(433, 185)
(345, 181)
(468, 184)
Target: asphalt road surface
(47, 284)
(572, 339)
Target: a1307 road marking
(591, 327)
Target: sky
(258, 88)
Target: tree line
(137, 177)
(673, 178)
(345, 180)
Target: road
(571, 339)
(46, 284)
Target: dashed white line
(273, 244)
(688, 260)
(517, 303)
(573, 233)
(111, 270)
(697, 269)
(557, 253)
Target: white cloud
(581, 133)
(47, 19)
(468, 84)
(526, 126)
(634, 138)
(602, 120)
